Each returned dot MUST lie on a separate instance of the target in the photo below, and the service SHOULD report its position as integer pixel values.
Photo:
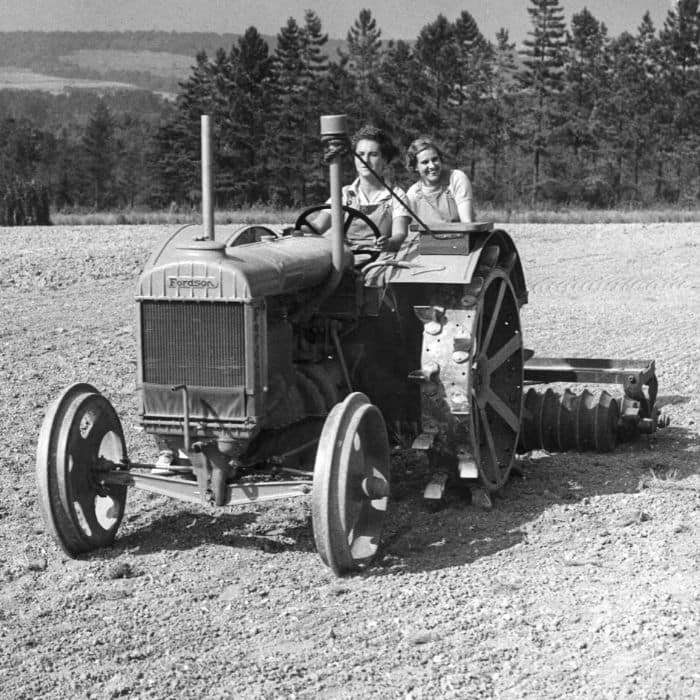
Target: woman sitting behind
(368, 195)
(441, 193)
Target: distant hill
(152, 60)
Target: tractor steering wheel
(370, 252)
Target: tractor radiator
(193, 343)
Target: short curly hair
(373, 133)
(420, 144)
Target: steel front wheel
(81, 432)
(351, 485)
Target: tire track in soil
(613, 284)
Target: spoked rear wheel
(80, 432)
(351, 485)
(497, 380)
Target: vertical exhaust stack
(335, 140)
(207, 182)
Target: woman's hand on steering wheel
(350, 215)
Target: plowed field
(582, 582)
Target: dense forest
(573, 117)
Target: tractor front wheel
(351, 485)
(80, 433)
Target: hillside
(152, 60)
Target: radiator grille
(199, 344)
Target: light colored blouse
(450, 200)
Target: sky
(398, 19)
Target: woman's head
(380, 137)
(425, 157)
(375, 147)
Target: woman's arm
(399, 231)
(462, 192)
(400, 218)
(321, 223)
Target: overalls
(381, 214)
(435, 207)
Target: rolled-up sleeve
(397, 208)
(460, 186)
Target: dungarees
(380, 214)
(440, 206)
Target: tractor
(269, 367)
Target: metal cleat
(466, 465)
(481, 498)
(426, 373)
(423, 442)
(435, 489)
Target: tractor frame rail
(185, 489)
(629, 373)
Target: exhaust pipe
(207, 182)
(334, 131)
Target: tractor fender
(482, 249)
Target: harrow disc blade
(607, 419)
(586, 425)
(549, 421)
(567, 429)
(568, 421)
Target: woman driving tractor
(372, 147)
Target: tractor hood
(207, 270)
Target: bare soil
(582, 582)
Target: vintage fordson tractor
(263, 353)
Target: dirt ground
(582, 582)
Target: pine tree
(131, 137)
(312, 42)
(241, 125)
(654, 111)
(316, 92)
(284, 139)
(467, 119)
(436, 50)
(500, 117)
(99, 149)
(196, 92)
(362, 60)
(680, 38)
(401, 91)
(543, 58)
(585, 78)
(174, 162)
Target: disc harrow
(559, 422)
(562, 421)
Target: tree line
(573, 117)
